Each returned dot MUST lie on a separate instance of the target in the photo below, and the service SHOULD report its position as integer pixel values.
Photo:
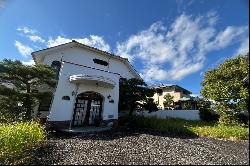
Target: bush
(234, 132)
(18, 141)
(208, 115)
(227, 118)
(10, 110)
(150, 105)
(243, 118)
(205, 111)
(232, 116)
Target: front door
(88, 109)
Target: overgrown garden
(223, 106)
(20, 133)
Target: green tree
(168, 101)
(187, 105)
(23, 82)
(150, 105)
(225, 86)
(205, 110)
(131, 92)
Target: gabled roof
(165, 86)
(38, 55)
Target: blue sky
(167, 41)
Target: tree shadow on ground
(46, 155)
(126, 131)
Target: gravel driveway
(141, 146)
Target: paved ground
(137, 146)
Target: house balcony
(92, 80)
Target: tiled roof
(160, 85)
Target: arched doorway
(88, 109)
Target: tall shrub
(226, 87)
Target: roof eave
(173, 86)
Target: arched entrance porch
(88, 109)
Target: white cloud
(93, 40)
(172, 54)
(166, 53)
(144, 43)
(36, 38)
(26, 30)
(212, 17)
(31, 34)
(244, 47)
(23, 49)
(229, 35)
(30, 62)
(58, 41)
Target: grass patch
(18, 141)
(186, 127)
(222, 131)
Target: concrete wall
(165, 114)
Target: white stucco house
(87, 90)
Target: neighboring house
(87, 90)
(180, 96)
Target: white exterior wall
(85, 57)
(165, 114)
(62, 110)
